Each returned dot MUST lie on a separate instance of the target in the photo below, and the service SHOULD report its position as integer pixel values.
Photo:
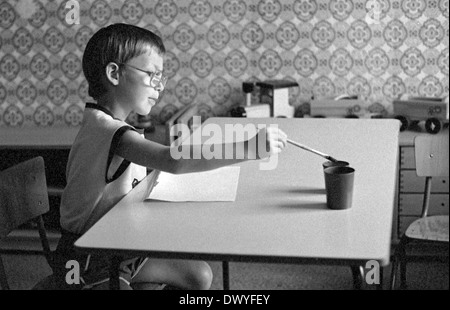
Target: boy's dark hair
(116, 43)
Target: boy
(123, 65)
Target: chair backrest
(23, 194)
(23, 198)
(432, 154)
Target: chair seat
(432, 228)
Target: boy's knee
(202, 279)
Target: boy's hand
(273, 139)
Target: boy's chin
(144, 111)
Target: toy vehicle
(343, 106)
(434, 111)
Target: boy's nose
(159, 87)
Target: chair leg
(403, 261)
(226, 275)
(380, 286)
(3, 281)
(394, 270)
(358, 276)
(399, 262)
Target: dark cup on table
(339, 187)
(338, 163)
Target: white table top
(279, 215)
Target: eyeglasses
(156, 78)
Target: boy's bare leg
(184, 274)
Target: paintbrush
(306, 148)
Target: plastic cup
(339, 187)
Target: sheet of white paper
(215, 185)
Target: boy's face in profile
(134, 90)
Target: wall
(375, 48)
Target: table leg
(114, 282)
(380, 286)
(226, 275)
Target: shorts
(94, 268)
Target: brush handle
(306, 148)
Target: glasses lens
(160, 80)
(163, 80)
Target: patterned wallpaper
(378, 49)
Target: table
(280, 215)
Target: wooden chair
(23, 198)
(432, 160)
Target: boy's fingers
(276, 139)
(282, 140)
(276, 147)
(281, 145)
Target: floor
(24, 271)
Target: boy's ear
(112, 73)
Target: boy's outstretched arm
(153, 155)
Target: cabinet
(410, 189)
